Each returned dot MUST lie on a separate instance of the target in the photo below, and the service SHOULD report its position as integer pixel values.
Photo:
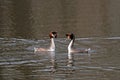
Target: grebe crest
(52, 35)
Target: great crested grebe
(70, 46)
(52, 35)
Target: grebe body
(52, 35)
(71, 44)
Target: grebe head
(53, 34)
(70, 36)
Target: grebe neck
(70, 45)
(52, 45)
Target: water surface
(18, 60)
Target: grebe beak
(55, 35)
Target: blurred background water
(25, 24)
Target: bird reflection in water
(70, 59)
(52, 57)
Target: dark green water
(25, 24)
